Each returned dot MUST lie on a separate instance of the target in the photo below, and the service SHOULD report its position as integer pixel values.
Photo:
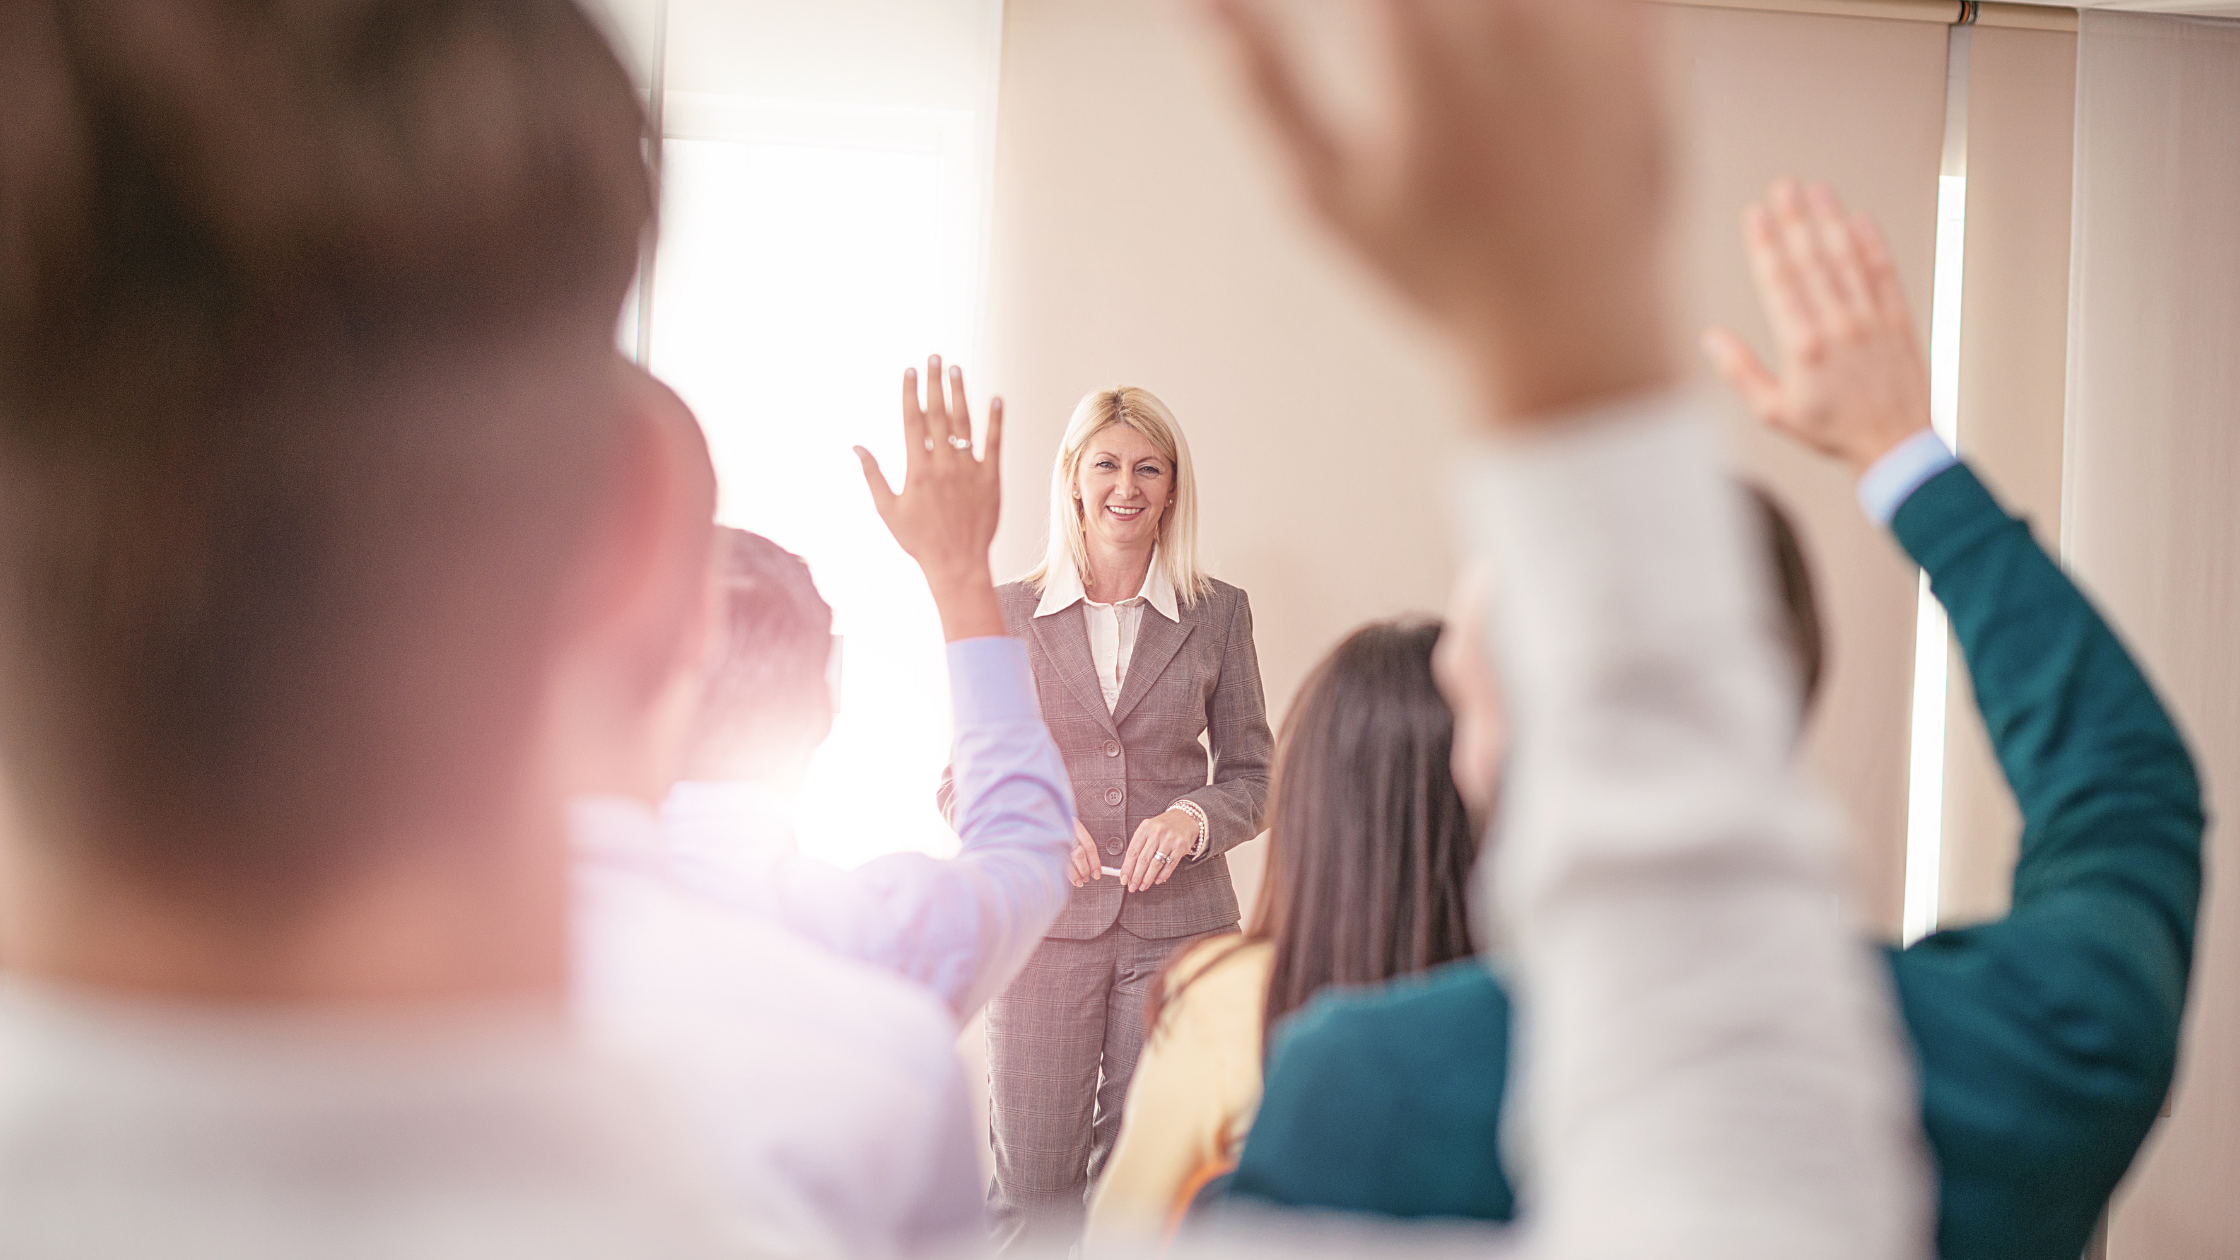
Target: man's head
(1472, 688)
(646, 622)
(766, 696)
(1798, 608)
(313, 443)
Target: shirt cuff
(990, 682)
(1191, 808)
(1903, 469)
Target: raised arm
(2110, 803)
(1086, 864)
(965, 926)
(2047, 1038)
(2111, 807)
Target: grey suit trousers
(1063, 1039)
(1062, 1047)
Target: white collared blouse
(1112, 632)
(1112, 627)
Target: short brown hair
(304, 307)
(776, 653)
(1792, 584)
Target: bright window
(808, 254)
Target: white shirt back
(827, 1094)
(131, 1129)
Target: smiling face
(1125, 487)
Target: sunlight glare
(795, 283)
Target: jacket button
(1113, 847)
(1112, 748)
(1113, 796)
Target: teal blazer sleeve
(2047, 1039)
(1387, 1099)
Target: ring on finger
(957, 443)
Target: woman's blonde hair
(1140, 410)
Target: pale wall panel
(1859, 103)
(2013, 372)
(2151, 519)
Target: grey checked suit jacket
(1198, 675)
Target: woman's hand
(1159, 846)
(1085, 864)
(1852, 382)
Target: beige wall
(2013, 358)
(1141, 235)
(1859, 103)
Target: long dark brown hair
(1369, 847)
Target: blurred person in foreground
(1369, 858)
(764, 702)
(1712, 1068)
(337, 544)
(842, 1126)
(2046, 1040)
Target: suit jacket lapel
(1157, 640)
(1065, 642)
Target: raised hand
(1519, 197)
(1852, 382)
(946, 513)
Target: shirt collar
(1062, 589)
(733, 813)
(612, 826)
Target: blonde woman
(1137, 653)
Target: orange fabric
(1190, 1187)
